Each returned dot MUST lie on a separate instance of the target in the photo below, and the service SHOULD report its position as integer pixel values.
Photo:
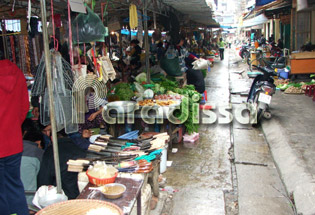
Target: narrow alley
(231, 162)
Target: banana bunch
(133, 16)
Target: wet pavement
(202, 172)
(230, 169)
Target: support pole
(146, 41)
(4, 40)
(291, 30)
(50, 94)
(154, 20)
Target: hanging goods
(107, 71)
(170, 62)
(90, 27)
(62, 80)
(78, 94)
(133, 16)
(201, 64)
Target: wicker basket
(103, 181)
(79, 207)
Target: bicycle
(260, 61)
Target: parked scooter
(244, 51)
(260, 93)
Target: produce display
(151, 102)
(166, 93)
(291, 87)
(168, 97)
(123, 91)
(293, 90)
(101, 170)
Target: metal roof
(197, 10)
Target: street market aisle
(201, 172)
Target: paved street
(230, 170)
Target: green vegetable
(282, 86)
(123, 91)
(142, 77)
(168, 85)
(189, 92)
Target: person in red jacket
(13, 109)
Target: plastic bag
(171, 66)
(201, 64)
(89, 27)
(47, 195)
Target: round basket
(100, 182)
(79, 207)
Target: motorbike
(244, 51)
(261, 92)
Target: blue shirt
(30, 165)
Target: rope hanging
(70, 35)
(53, 25)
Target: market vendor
(31, 157)
(135, 54)
(67, 150)
(194, 77)
(93, 115)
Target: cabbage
(142, 77)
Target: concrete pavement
(291, 137)
(260, 189)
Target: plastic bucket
(163, 160)
(283, 74)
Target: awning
(263, 2)
(258, 20)
(197, 10)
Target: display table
(126, 202)
(119, 129)
(303, 63)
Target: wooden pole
(291, 31)
(296, 30)
(4, 40)
(146, 40)
(154, 20)
(51, 97)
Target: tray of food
(163, 103)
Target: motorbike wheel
(260, 115)
(260, 112)
(247, 57)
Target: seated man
(67, 150)
(31, 157)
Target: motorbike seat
(278, 65)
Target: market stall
(78, 56)
(299, 60)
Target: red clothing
(13, 108)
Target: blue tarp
(133, 32)
(226, 26)
(263, 2)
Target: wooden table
(126, 202)
(172, 129)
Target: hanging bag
(90, 28)
(170, 63)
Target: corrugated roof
(197, 10)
